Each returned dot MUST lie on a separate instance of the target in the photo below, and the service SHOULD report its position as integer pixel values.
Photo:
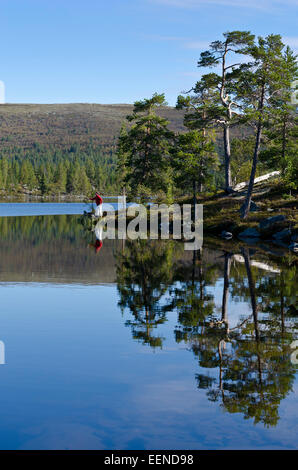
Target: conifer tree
(147, 146)
(261, 82)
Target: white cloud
(159, 37)
(198, 45)
(259, 4)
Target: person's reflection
(98, 243)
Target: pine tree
(194, 161)
(122, 158)
(260, 83)
(235, 42)
(147, 145)
(61, 178)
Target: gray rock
(253, 207)
(271, 221)
(282, 234)
(294, 247)
(226, 235)
(249, 233)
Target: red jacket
(98, 245)
(97, 199)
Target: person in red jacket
(98, 243)
(98, 201)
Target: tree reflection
(244, 359)
(254, 368)
(144, 272)
(190, 297)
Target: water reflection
(244, 365)
(53, 249)
(143, 276)
(233, 309)
(98, 240)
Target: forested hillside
(31, 126)
(50, 148)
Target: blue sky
(118, 51)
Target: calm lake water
(143, 345)
(13, 209)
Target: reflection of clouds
(63, 436)
(104, 391)
(161, 419)
(167, 421)
(157, 413)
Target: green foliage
(242, 149)
(78, 152)
(53, 173)
(264, 90)
(143, 151)
(194, 161)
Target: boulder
(270, 222)
(226, 235)
(282, 235)
(294, 247)
(249, 233)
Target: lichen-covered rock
(249, 233)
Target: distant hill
(47, 134)
(64, 125)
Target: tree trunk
(246, 206)
(227, 268)
(227, 150)
(194, 199)
(251, 285)
(284, 140)
(194, 185)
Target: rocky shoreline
(276, 229)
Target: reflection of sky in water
(9, 209)
(74, 378)
(45, 208)
(237, 310)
